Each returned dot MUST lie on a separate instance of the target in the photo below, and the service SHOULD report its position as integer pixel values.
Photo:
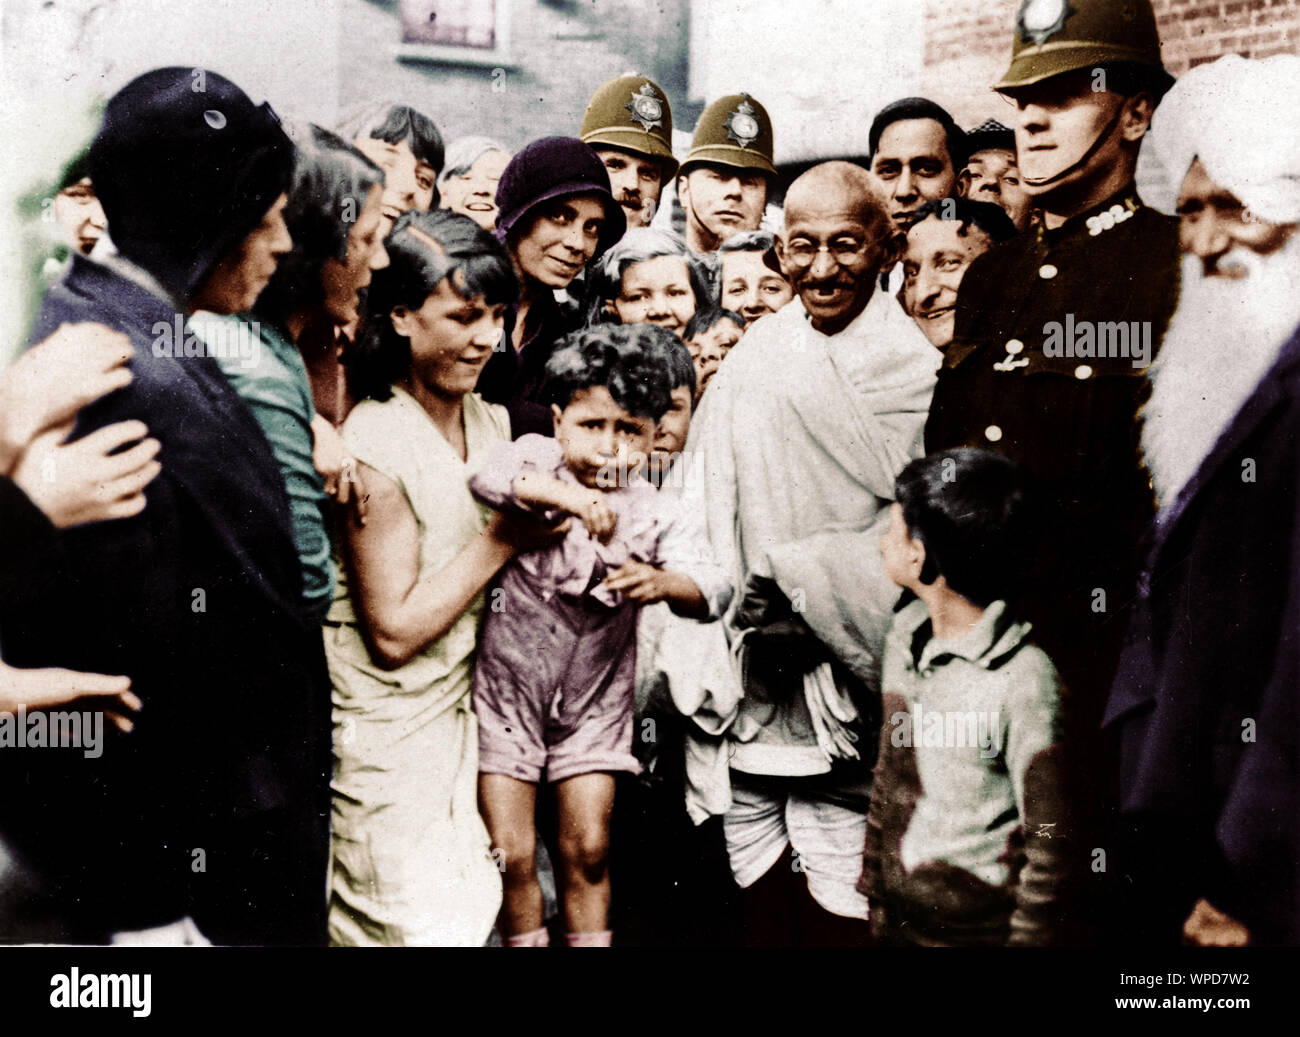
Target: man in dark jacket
(215, 808)
(1205, 699)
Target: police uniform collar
(1103, 216)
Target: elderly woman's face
(408, 182)
(473, 193)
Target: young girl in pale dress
(411, 859)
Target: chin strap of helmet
(1101, 138)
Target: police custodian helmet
(733, 131)
(1057, 36)
(631, 113)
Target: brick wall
(1193, 32)
(968, 43)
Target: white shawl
(790, 469)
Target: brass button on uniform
(992, 433)
(1047, 271)
(1082, 371)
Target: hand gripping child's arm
(546, 491)
(401, 612)
(1033, 759)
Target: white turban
(1241, 118)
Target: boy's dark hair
(919, 108)
(708, 316)
(991, 219)
(424, 248)
(329, 176)
(676, 359)
(626, 359)
(978, 516)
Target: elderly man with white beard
(1206, 697)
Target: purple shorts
(550, 711)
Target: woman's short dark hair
(979, 518)
(331, 180)
(991, 219)
(639, 245)
(394, 123)
(424, 249)
(627, 359)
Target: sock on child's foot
(534, 938)
(601, 939)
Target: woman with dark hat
(557, 214)
(193, 184)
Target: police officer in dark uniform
(1054, 330)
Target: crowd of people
(574, 545)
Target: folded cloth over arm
(836, 583)
(702, 683)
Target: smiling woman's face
(561, 240)
(452, 338)
(474, 192)
(408, 182)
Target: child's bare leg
(584, 804)
(508, 806)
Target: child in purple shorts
(554, 684)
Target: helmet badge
(1041, 19)
(646, 107)
(741, 125)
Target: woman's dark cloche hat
(552, 168)
(186, 166)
